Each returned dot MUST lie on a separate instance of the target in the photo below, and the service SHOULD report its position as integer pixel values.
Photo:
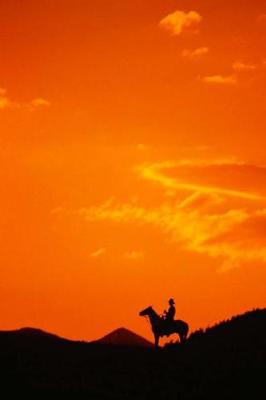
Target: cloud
(40, 102)
(98, 253)
(142, 147)
(6, 102)
(196, 53)
(233, 79)
(205, 220)
(239, 66)
(180, 21)
(220, 79)
(198, 200)
(156, 172)
(192, 229)
(133, 255)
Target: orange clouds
(218, 221)
(220, 79)
(196, 53)
(6, 102)
(155, 172)
(180, 21)
(98, 253)
(133, 255)
(40, 102)
(239, 66)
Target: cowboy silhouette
(169, 315)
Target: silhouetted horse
(160, 327)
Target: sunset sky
(133, 162)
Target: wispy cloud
(7, 103)
(142, 147)
(40, 102)
(196, 231)
(239, 66)
(134, 255)
(206, 220)
(180, 21)
(156, 172)
(230, 80)
(193, 54)
(98, 253)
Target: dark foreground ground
(224, 362)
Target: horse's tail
(183, 330)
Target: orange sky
(133, 166)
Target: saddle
(167, 325)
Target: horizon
(133, 163)
(127, 331)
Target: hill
(31, 334)
(225, 361)
(238, 342)
(125, 337)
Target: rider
(170, 314)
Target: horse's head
(146, 311)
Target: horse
(160, 327)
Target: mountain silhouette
(31, 337)
(31, 333)
(238, 342)
(125, 337)
(226, 360)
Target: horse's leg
(183, 334)
(156, 340)
(181, 338)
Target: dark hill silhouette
(246, 327)
(31, 337)
(239, 341)
(225, 361)
(125, 337)
(31, 333)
